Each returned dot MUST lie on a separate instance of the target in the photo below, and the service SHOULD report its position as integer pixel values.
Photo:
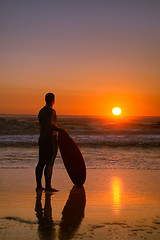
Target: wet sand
(114, 204)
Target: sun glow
(116, 111)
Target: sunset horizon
(92, 55)
(89, 107)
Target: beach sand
(114, 204)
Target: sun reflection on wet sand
(116, 194)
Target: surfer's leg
(52, 153)
(40, 167)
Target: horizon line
(80, 115)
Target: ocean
(105, 142)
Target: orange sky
(92, 56)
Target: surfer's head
(50, 98)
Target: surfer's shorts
(47, 150)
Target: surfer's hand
(64, 131)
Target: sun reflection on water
(116, 194)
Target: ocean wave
(82, 125)
(18, 125)
(23, 131)
(87, 140)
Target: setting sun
(116, 111)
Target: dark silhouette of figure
(47, 143)
(73, 213)
(46, 228)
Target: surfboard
(72, 158)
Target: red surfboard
(72, 158)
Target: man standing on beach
(48, 145)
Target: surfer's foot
(40, 189)
(50, 189)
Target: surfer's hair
(49, 97)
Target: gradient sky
(94, 55)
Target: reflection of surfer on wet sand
(72, 213)
(46, 228)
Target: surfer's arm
(53, 126)
(56, 128)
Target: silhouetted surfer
(47, 143)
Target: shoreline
(114, 203)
